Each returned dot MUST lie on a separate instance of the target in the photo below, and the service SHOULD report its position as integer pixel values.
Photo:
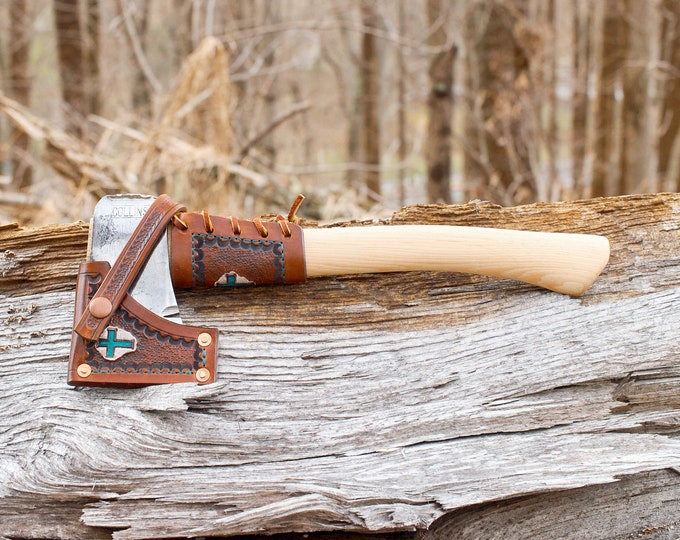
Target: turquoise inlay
(111, 343)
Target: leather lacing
(260, 226)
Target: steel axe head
(114, 219)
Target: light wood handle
(565, 263)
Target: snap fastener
(84, 370)
(204, 339)
(202, 374)
(101, 307)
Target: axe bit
(134, 250)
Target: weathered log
(380, 403)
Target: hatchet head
(113, 222)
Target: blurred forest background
(365, 105)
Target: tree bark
(71, 63)
(439, 105)
(380, 403)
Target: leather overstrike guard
(118, 342)
(209, 251)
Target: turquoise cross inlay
(111, 343)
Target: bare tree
(669, 143)
(439, 104)
(20, 87)
(642, 98)
(401, 103)
(145, 83)
(497, 154)
(370, 92)
(607, 179)
(92, 53)
(71, 62)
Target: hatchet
(127, 329)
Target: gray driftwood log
(415, 405)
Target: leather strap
(130, 262)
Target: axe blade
(114, 219)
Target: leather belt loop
(130, 262)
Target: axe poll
(127, 330)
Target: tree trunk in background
(92, 57)
(642, 104)
(370, 92)
(497, 156)
(607, 173)
(439, 105)
(593, 18)
(401, 105)
(270, 14)
(141, 88)
(540, 15)
(71, 63)
(669, 143)
(565, 53)
(181, 31)
(20, 88)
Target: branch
(280, 119)
(137, 48)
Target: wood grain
(374, 403)
(564, 263)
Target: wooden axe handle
(561, 262)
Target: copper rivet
(202, 374)
(204, 339)
(101, 307)
(84, 370)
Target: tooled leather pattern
(254, 261)
(225, 257)
(130, 261)
(138, 346)
(157, 352)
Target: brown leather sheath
(137, 347)
(118, 342)
(224, 252)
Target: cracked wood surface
(380, 403)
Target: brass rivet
(202, 374)
(204, 339)
(101, 307)
(84, 370)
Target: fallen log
(438, 405)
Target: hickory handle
(562, 262)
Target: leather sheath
(224, 257)
(137, 347)
(118, 342)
